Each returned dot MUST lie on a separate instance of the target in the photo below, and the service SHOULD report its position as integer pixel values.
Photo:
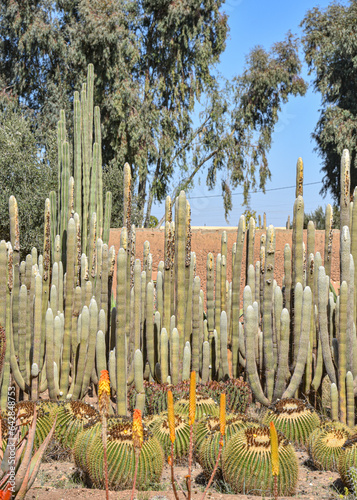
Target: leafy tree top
(330, 45)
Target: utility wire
(252, 192)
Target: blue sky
(264, 23)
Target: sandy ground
(57, 481)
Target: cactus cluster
(62, 326)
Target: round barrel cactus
(85, 438)
(46, 412)
(294, 418)
(72, 418)
(205, 406)
(121, 458)
(325, 444)
(347, 460)
(160, 429)
(208, 435)
(246, 463)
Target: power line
(259, 191)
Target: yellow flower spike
(104, 392)
(192, 402)
(171, 415)
(222, 414)
(138, 431)
(274, 450)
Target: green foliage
(153, 63)
(268, 81)
(318, 218)
(25, 172)
(330, 45)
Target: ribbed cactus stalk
(267, 309)
(297, 265)
(236, 275)
(299, 178)
(345, 184)
(303, 344)
(342, 353)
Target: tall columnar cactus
(180, 255)
(236, 275)
(299, 178)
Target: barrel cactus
(72, 418)
(238, 393)
(246, 463)
(208, 435)
(294, 418)
(85, 438)
(46, 411)
(160, 429)
(121, 458)
(325, 444)
(204, 406)
(348, 460)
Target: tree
(330, 46)
(318, 217)
(152, 60)
(24, 173)
(235, 134)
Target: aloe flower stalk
(222, 428)
(104, 404)
(274, 457)
(138, 439)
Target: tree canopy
(154, 62)
(330, 46)
(24, 173)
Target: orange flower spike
(138, 431)
(104, 392)
(192, 403)
(104, 383)
(171, 415)
(274, 450)
(222, 414)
